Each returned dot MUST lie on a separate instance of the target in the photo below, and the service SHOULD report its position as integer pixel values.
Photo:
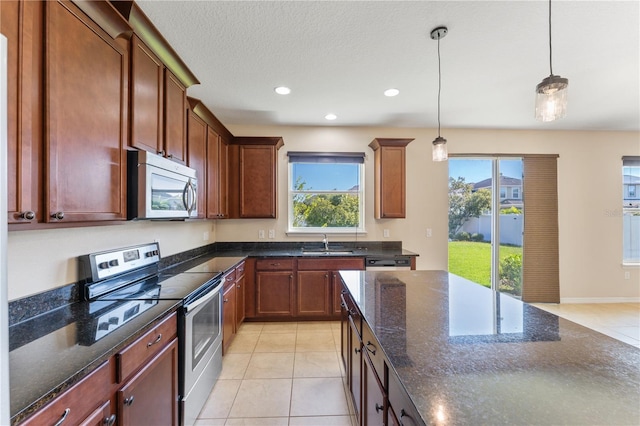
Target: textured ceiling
(339, 57)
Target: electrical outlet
(272, 233)
(261, 234)
(429, 233)
(205, 236)
(627, 275)
(385, 233)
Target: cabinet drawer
(331, 264)
(275, 264)
(139, 352)
(229, 279)
(401, 405)
(240, 271)
(352, 311)
(78, 402)
(371, 345)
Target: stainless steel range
(124, 282)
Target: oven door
(201, 351)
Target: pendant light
(551, 93)
(439, 144)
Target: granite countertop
(468, 355)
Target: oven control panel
(111, 263)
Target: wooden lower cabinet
(150, 397)
(228, 316)
(355, 368)
(87, 402)
(240, 294)
(373, 395)
(274, 294)
(313, 294)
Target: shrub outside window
(326, 192)
(630, 210)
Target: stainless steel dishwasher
(387, 263)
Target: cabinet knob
(170, 156)
(128, 401)
(161, 153)
(28, 215)
(225, 300)
(357, 350)
(63, 417)
(109, 421)
(379, 407)
(238, 286)
(373, 351)
(57, 215)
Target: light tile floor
(618, 320)
(280, 374)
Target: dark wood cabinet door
(214, 170)
(175, 116)
(223, 186)
(336, 284)
(355, 367)
(274, 293)
(197, 157)
(345, 339)
(147, 87)
(151, 396)
(22, 23)
(101, 416)
(228, 316)
(313, 293)
(240, 295)
(257, 181)
(86, 118)
(373, 409)
(392, 182)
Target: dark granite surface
(468, 355)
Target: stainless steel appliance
(387, 263)
(122, 283)
(159, 188)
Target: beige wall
(589, 186)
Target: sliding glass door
(486, 217)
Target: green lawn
(472, 260)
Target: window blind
(325, 157)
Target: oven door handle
(191, 306)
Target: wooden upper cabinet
(22, 23)
(86, 119)
(390, 177)
(175, 116)
(255, 169)
(147, 97)
(197, 157)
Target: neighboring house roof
(504, 181)
(631, 179)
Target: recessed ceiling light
(330, 116)
(391, 92)
(282, 90)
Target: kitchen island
(464, 354)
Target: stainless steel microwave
(158, 188)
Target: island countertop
(468, 355)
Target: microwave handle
(189, 197)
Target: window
(326, 192)
(503, 192)
(516, 193)
(630, 210)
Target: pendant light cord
(439, 86)
(550, 65)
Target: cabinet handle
(58, 215)
(28, 215)
(357, 350)
(64, 416)
(128, 401)
(109, 421)
(154, 342)
(379, 407)
(161, 153)
(170, 156)
(352, 312)
(373, 351)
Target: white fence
(510, 228)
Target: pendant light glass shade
(440, 149)
(551, 98)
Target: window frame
(632, 210)
(360, 194)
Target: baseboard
(599, 299)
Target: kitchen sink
(327, 252)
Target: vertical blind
(540, 267)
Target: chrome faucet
(325, 240)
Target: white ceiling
(339, 57)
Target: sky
(475, 170)
(326, 176)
